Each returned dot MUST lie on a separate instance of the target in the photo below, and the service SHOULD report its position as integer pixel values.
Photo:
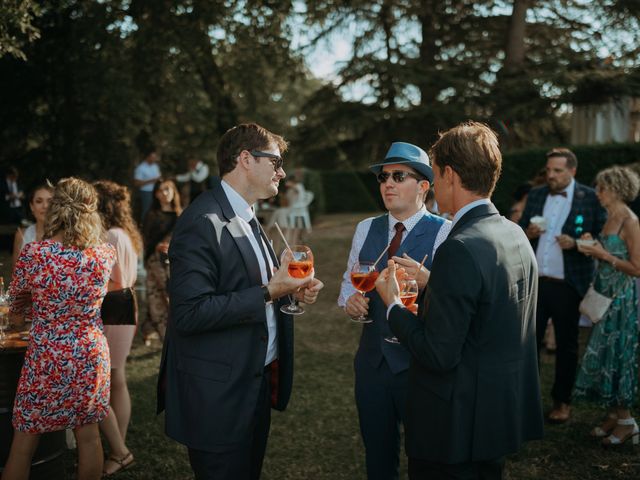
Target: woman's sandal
(606, 427)
(633, 434)
(123, 463)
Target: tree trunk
(514, 49)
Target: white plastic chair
(299, 210)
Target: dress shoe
(560, 413)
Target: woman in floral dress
(608, 373)
(64, 382)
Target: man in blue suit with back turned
(381, 364)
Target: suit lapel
(238, 234)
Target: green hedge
(338, 191)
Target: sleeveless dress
(65, 378)
(29, 235)
(608, 374)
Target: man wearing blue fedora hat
(381, 364)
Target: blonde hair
(73, 213)
(622, 181)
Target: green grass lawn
(318, 436)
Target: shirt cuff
(391, 305)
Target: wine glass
(300, 266)
(363, 278)
(408, 296)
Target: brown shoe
(560, 413)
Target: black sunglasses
(398, 176)
(276, 160)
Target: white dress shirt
(362, 230)
(548, 253)
(245, 213)
(199, 174)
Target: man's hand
(357, 305)
(533, 231)
(310, 292)
(387, 284)
(566, 242)
(282, 283)
(413, 269)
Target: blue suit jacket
(578, 268)
(216, 342)
(474, 390)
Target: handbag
(120, 307)
(594, 305)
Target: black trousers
(559, 301)
(423, 470)
(244, 462)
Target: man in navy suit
(474, 395)
(569, 209)
(228, 352)
(380, 364)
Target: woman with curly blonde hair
(608, 374)
(65, 378)
(114, 206)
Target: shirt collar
(408, 223)
(467, 207)
(238, 204)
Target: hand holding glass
(408, 296)
(300, 266)
(363, 278)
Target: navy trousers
(380, 398)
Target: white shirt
(146, 171)
(12, 186)
(362, 230)
(548, 253)
(245, 213)
(198, 174)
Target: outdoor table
(48, 461)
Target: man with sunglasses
(228, 352)
(411, 232)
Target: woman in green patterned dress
(608, 374)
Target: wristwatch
(267, 295)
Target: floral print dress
(608, 373)
(65, 378)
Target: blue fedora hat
(407, 154)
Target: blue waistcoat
(418, 243)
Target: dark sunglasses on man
(398, 176)
(276, 160)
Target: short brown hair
(471, 149)
(568, 155)
(621, 181)
(246, 136)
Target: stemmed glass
(300, 266)
(363, 278)
(408, 296)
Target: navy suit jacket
(216, 342)
(578, 268)
(474, 392)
